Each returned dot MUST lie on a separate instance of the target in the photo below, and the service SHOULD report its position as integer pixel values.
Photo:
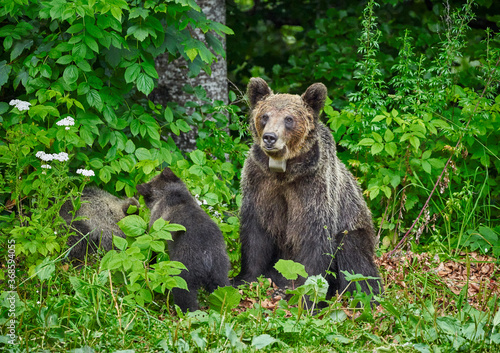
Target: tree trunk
(174, 75)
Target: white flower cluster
(20, 105)
(85, 172)
(198, 201)
(67, 121)
(61, 156)
(46, 166)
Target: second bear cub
(200, 248)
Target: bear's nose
(269, 138)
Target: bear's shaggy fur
(100, 211)
(299, 200)
(200, 248)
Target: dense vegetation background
(414, 107)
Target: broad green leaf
(198, 157)
(415, 142)
(377, 147)
(168, 115)
(120, 243)
(132, 72)
(388, 136)
(290, 269)
(391, 148)
(70, 74)
(143, 154)
(4, 72)
(133, 225)
(46, 269)
(366, 142)
(226, 298)
(263, 341)
(145, 84)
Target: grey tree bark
(174, 75)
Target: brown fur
(313, 210)
(100, 211)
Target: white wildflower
(67, 121)
(85, 172)
(46, 157)
(20, 105)
(46, 166)
(61, 156)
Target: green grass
(82, 311)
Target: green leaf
(105, 174)
(388, 136)
(120, 242)
(377, 148)
(132, 72)
(391, 148)
(377, 136)
(496, 319)
(426, 166)
(225, 298)
(145, 84)
(70, 74)
(366, 142)
(168, 115)
(415, 142)
(19, 48)
(191, 53)
(198, 157)
(290, 269)
(64, 60)
(143, 154)
(211, 198)
(173, 227)
(263, 341)
(133, 225)
(46, 269)
(91, 43)
(4, 72)
(79, 52)
(149, 69)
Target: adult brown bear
(299, 200)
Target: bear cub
(101, 211)
(299, 201)
(200, 248)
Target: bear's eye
(289, 121)
(263, 119)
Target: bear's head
(166, 187)
(281, 123)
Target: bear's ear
(169, 175)
(315, 96)
(257, 90)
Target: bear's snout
(269, 139)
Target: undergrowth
(421, 142)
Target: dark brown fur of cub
(200, 248)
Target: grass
(81, 311)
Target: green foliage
(408, 94)
(91, 62)
(290, 269)
(131, 264)
(411, 86)
(224, 299)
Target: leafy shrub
(94, 62)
